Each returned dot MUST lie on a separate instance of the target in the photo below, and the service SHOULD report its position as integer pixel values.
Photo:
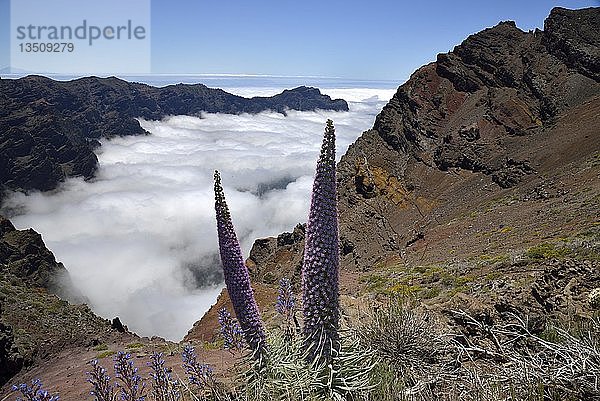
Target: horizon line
(199, 75)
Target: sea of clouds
(140, 239)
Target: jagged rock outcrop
(49, 129)
(35, 322)
(275, 257)
(572, 36)
(23, 254)
(481, 119)
(496, 117)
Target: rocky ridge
(481, 120)
(49, 129)
(495, 116)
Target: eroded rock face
(572, 36)
(499, 113)
(469, 109)
(49, 129)
(12, 360)
(465, 128)
(36, 320)
(23, 254)
(276, 257)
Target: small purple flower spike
(286, 300)
(34, 393)
(130, 383)
(233, 336)
(98, 377)
(199, 374)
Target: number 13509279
(49, 47)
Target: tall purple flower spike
(237, 278)
(321, 257)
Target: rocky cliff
(34, 322)
(49, 129)
(23, 254)
(507, 113)
(504, 113)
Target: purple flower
(286, 300)
(129, 381)
(164, 388)
(34, 393)
(320, 267)
(199, 374)
(102, 389)
(233, 336)
(237, 278)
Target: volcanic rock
(49, 129)
(35, 323)
(504, 114)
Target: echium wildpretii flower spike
(237, 278)
(34, 393)
(321, 257)
(286, 300)
(102, 388)
(233, 336)
(129, 382)
(199, 374)
(164, 387)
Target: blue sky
(373, 39)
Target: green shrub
(105, 354)
(547, 250)
(100, 347)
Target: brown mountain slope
(507, 114)
(479, 182)
(500, 115)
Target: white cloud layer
(140, 239)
